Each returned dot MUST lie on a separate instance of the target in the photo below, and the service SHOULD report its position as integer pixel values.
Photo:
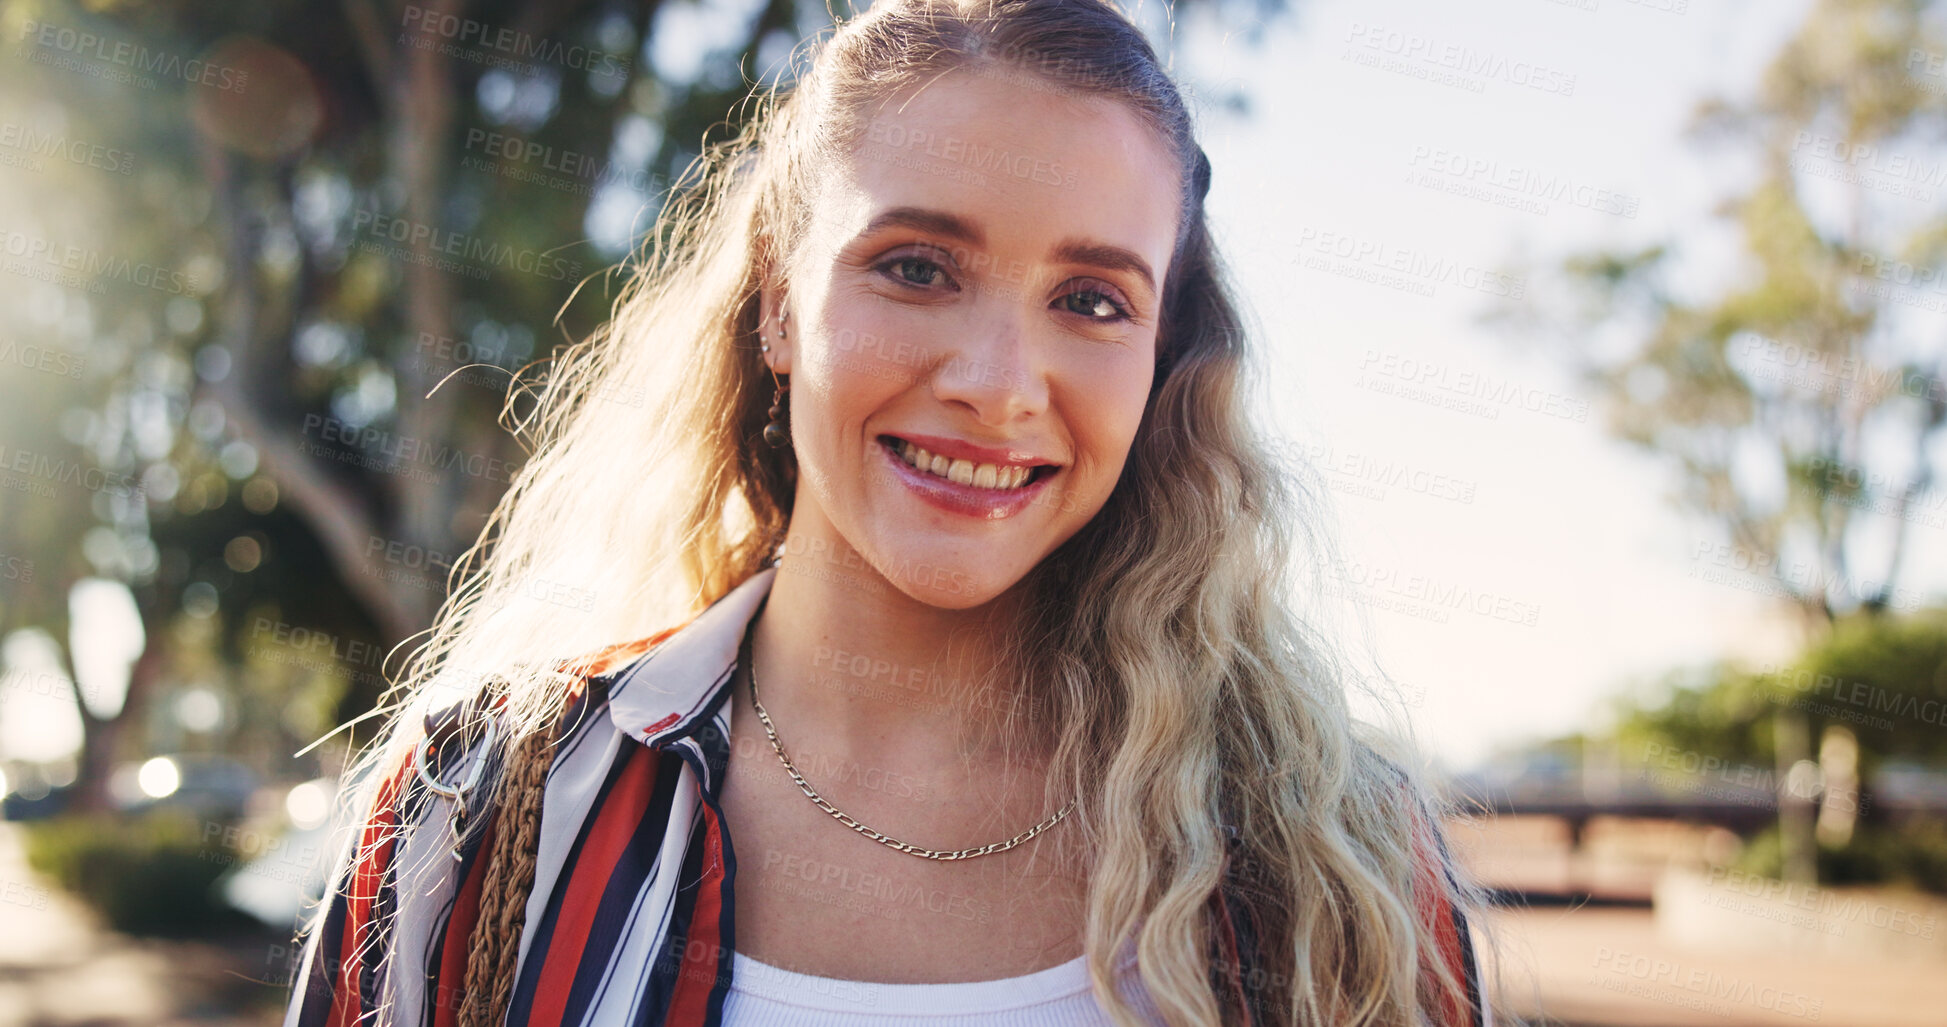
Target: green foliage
(146, 874)
(1718, 709)
(1762, 856)
(1910, 856)
(1914, 856)
(1884, 677)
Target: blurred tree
(1877, 681)
(1797, 406)
(332, 209)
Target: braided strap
(495, 944)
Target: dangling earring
(775, 433)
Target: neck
(847, 662)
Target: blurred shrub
(148, 873)
(1913, 855)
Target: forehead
(1021, 157)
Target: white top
(762, 995)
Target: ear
(775, 326)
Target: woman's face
(980, 286)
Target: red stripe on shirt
(448, 991)
(374, 856)
(1437, 915)
(615, 824)
(697, 976)
(1233, 960)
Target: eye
(1097, 302)
(916, 271)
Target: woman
(956, 579)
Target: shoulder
(421, 820)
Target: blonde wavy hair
(1191, 714)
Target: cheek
(868, 356)
(848, 375)
(1108, 405)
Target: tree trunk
(103, 738)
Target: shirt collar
(666, 692)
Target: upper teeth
(966, 472)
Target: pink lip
(954, 449)
(953, 497)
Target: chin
(955, 581)
(952, 585)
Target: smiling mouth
(998, 477)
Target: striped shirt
(629, 920)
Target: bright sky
(1563, 524)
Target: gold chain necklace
(906, 847)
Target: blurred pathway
(1605, 967)
(60, 968)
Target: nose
(993, 369)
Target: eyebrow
(953, 226)
(1102, 255)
